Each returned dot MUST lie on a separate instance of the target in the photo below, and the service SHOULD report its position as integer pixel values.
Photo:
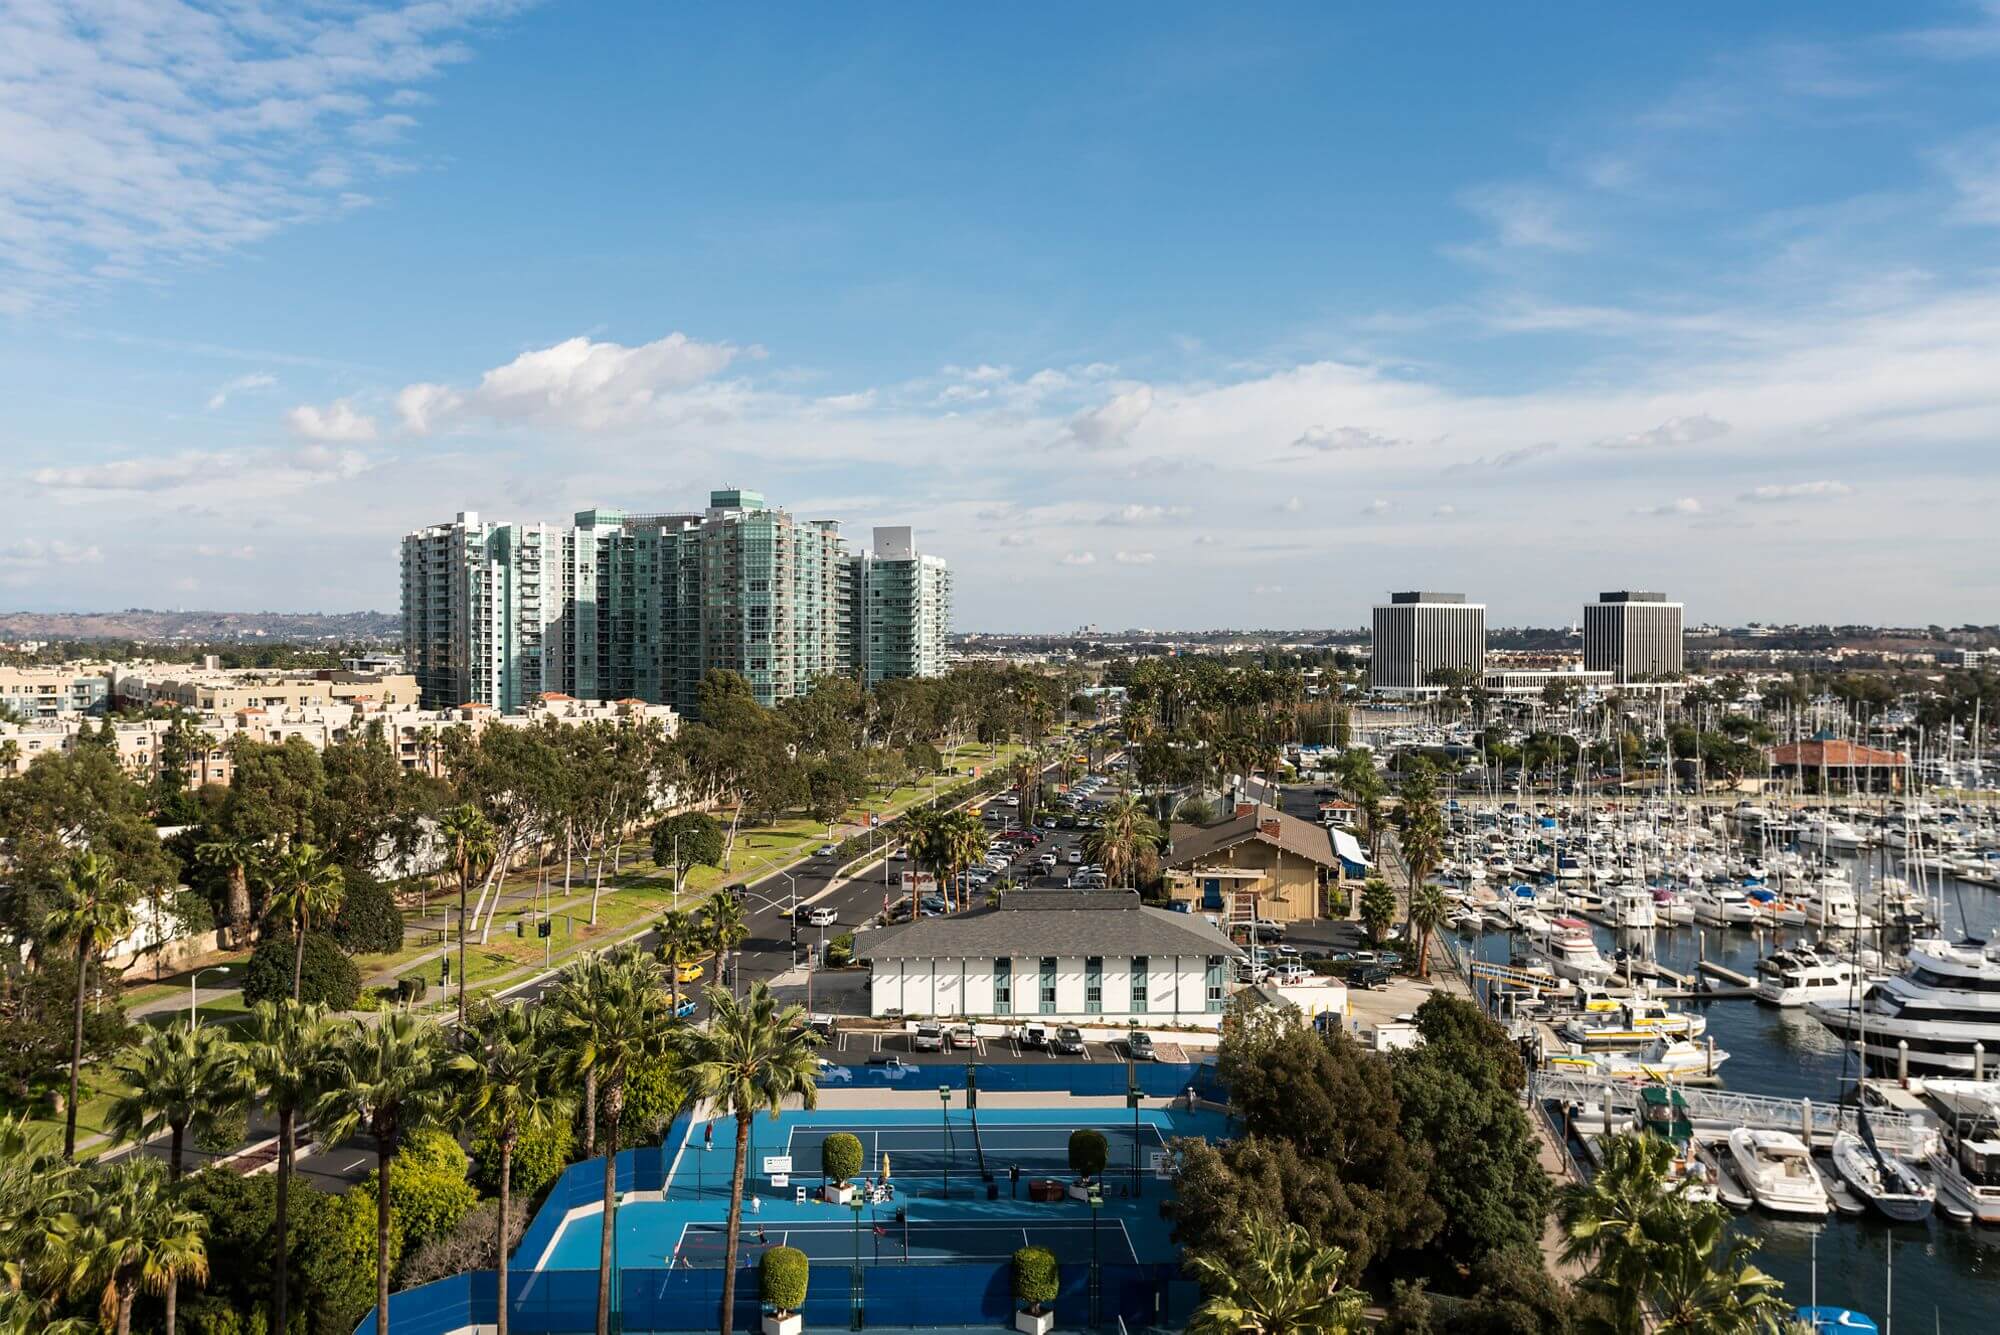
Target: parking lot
(856, 1046)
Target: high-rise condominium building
(1633, 635)
(618, 606)
(1417, 635)
(902, 609)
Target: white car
(1048, 861)
(1074, 857)
(1010, 801)
(822, 917)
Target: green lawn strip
(98, 1087)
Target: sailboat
(1890, 1185)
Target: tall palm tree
(573, 998)
(1615, 1222)
(681, 938)
(928, 843)
(236, 856)
(1128, 830)
(285, 1047)
(1428, 912)
(1705, 1284)
(94, 912)
(509, 1091)
(749, 1057)
(177, 1077)
(386, 1078)
(306, 887)
(614, 1024)
(36, 1190)
(468, 837)
(128, 1234)
(722, 919)
(1290, 1284)
(964, 843)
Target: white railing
(1717, 1108)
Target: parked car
(889, 1060)
(1141, 1047)
(1068, 1042)
(689, 971)
(1048, 861)
(929, 1038)
(963, 1037)
(1034, 1036)
(1368, 976)
(1074, 857)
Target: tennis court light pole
(1132, 1098)
(1096, 1302)
(944, 1118)
(854, 1281)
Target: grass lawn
(98, 1086)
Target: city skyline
(1706, 307)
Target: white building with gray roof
(1054, 956)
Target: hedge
(1088, 1152)
(1036, 1280)
(782, 1276)
(539, 1158)
(329, 977)
(840, 1156)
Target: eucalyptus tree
(286, 1051)
(93, 912)
(615, 1023)
(305, 886)
(750, 1057)
(386, 1078)
(507, 1076)
(176, 1077)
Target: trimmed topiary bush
(782, 1276)
(840, 1157)
(1088, 1152)
(1036, 1280)
(370, 922)
(329, 977)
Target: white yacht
(1778, 1172)
(1802, 975)
(1630, 906)
(1572, 953)
(1966, 1160)
(1946, 999)
(1723, 906)
(1623, 1024)
(1662, 1061)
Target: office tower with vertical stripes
(1633, 635)
(1419, 635)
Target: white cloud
(156, 474)
(1505, 459)
(1692, 430)
(242, 384)
(849, 403)
(1263, 590)
(1207, 540)
(576, 383)
(221, 474)
(1133, 558)
(212, 552)
(1145, 514)
(1079, 558)
(1112, 422)
(1973, 168)
(1016, 538)
(1524, 217)
(337, 421)
(1796, 491)
(1293, 505)
(1445, 511)
(1378, 506)
(1686, 505)
(137, 135)
(1344, 438)
(39, 554)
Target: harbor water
(1946, 1276)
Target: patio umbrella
(885, 1165)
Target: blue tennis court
(878, 1239)
(993, 1143)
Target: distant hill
(139, 623)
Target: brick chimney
(1269, 827)
(1245, 809)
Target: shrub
(840, 1156)
(224, 1132)
(338, 1261)
(469, 1246)
(370, 922)
(1035, 1278)
(782, 1276)
(427, 1188)
(1088, 1152)
(411, 987)
(840, 950)
(329, 977)
(539, 1158)
(653, 1097)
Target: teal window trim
(1140, 967)
(1093, 985)
(1003, 986)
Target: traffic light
(543, 927)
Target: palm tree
(306, 887)
(93, 910)
(284, 1050)
(1705, 1284)
(1289, 1284)
(178, 1076)
(234, 855)
(573, 999)
(1428, 912)
(469, 836)
(509, 1092)
(722, 920)
(1613, 1222)
(130, 1234)
(681, 938)
(1378, 909)
(1115, 846)
(965, 843)
(928, 843)
(750, 1056)
(36, 1190)
(386, 1078)
(612, 1026)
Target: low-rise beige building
(1259, 863)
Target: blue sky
(1161, 315)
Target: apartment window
(1048, 985)
(1141, 966)
(1003, 986)
(1214, 984)
(1093, 985)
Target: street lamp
(1132, 1098)
(1096, 1204)
(944, 1116)
(194, 1008)
(854, 1281)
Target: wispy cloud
(1778, 493)
(338, 421)
(1133, 558)
(1079, 558)
(242, 384)
(1505, 459)
(1692, 430)
(1378, 506)
(1686, 505)
(1524, 217)
(1145, 514)
(1112, 422)
(1343, 438)
(577, 382)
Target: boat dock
(1815, 1123)
(1714, 970)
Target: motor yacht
(1624, 1024)
(1572, 953)
(1946, 999)
(1630, 906)
(1723, 906)
(1777, 1170)
(1663, 1061)
(1966, 1160)
(1802, 975)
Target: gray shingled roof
(1050, 922)
(1307, 840)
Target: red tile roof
(1835, 755)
